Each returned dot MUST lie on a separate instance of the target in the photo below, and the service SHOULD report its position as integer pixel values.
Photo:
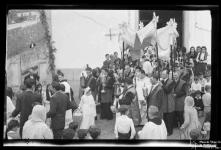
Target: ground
(107, 129)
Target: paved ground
(107, 129)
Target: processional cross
(111, 34)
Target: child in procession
(88, 108)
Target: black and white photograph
(108, 74)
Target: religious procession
(152, 90)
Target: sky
(80, 39)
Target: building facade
(26, 46)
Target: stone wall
(20, 55)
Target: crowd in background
(157, 95)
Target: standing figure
(91, 81)
(24, 103)
(156, 94)
(130, 99)
(82, 84)
(88, 108)
(143, 85)
(191, 118)
(59, 104)
(107, 85)
(202, 60)
(180, 92)
(63, 81)
(168, 106)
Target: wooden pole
(123, 61)
(172, 63)
(158, 62)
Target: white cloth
(147, 67)
(35, 127)
(88, 108)
(196, 86)
(153, 131)
(124, 124)
(140, 85)
(67, 88)
(68, 115)
(10, 107)
(191, 120)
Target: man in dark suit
(59, 103)
(180, 92)
(168, 105)
(156, 94)
(25, 102)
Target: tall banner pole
(172, 62)
(123, 60)
(158, 62)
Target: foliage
(52, 49)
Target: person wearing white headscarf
(35, 127)
(88, 108)
(191, 120)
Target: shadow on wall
(73, 77)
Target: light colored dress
(191, 121)
(88, 108)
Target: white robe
(153, 131)
(88, 108)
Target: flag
(165, 37)
(147, 34)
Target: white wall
(193, 36)
(79, 36)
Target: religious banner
(166, 36)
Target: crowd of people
(156, 95)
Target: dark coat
(24, 105)
(130, 98)
(91, 82)
(180, 90)
(107, 97)
(155, 98)
(58, 105)
(168, 104)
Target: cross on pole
(111, 34)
